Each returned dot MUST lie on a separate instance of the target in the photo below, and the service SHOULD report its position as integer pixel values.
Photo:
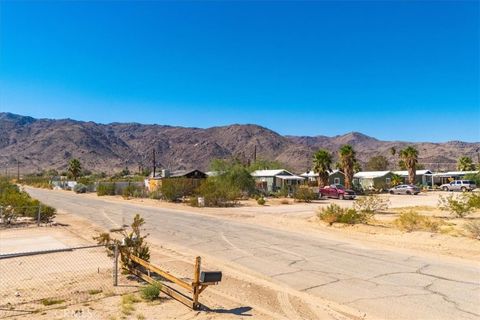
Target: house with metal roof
(194, 175)
(373, 179)
(440, 178)
(274, 180)
(421, 176)
(334, 177)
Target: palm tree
(396, 180)
(465, 164)
(393, 151)
(409, 156)
(347, 161)
(322, 163)
(74, 167)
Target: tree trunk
(411, 175)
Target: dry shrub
(473, 227)
(334, 213)
(412, 221)
(458, 205)
(284, 201)
(304, 194)
(371, 204)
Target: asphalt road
(383, 284)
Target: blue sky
(394, 70)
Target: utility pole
(154, 164)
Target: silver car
(404, 189)
(459, 185)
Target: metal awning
(290, 177)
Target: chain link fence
(24, 216)
(35, 281)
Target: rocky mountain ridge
(40, 144)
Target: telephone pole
(154, 164)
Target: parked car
(459, 185)
(337, 191)
(404, 189)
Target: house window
(388, 180)
(336, 180)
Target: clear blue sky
(394, 70)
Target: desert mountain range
(40, 144)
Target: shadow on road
(240, 311)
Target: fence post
(38, 215)
(115, 266)
(196, 282)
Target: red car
(337, 191)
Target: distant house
(373, 179)
(421, 176)
(334, 177)
(447, 177)
(274, 180)
(153, 183)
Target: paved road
(383, 284)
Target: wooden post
(115, 266)
(196, 282)
(38, 215)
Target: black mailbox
(211, 276)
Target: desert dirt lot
(281, 263)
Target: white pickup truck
(459, 185)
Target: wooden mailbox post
(196, 287)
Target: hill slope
(43, 144)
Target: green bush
(304, 194)
(151, 292)
(106, 189)
(334, 213)
(371, 204)
(80, 188)
(261, 201)
(177, 188)
(282, 192)
(20, 204)
(412, 221)
(473, 200)
(218, 193)
(236, 174)
(456, 204)
(155, 194)
(133, 191)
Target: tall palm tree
(409, 155)
(393, 151)
(322, 163)
(465, 164)
(74, 168)
(347, 161)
